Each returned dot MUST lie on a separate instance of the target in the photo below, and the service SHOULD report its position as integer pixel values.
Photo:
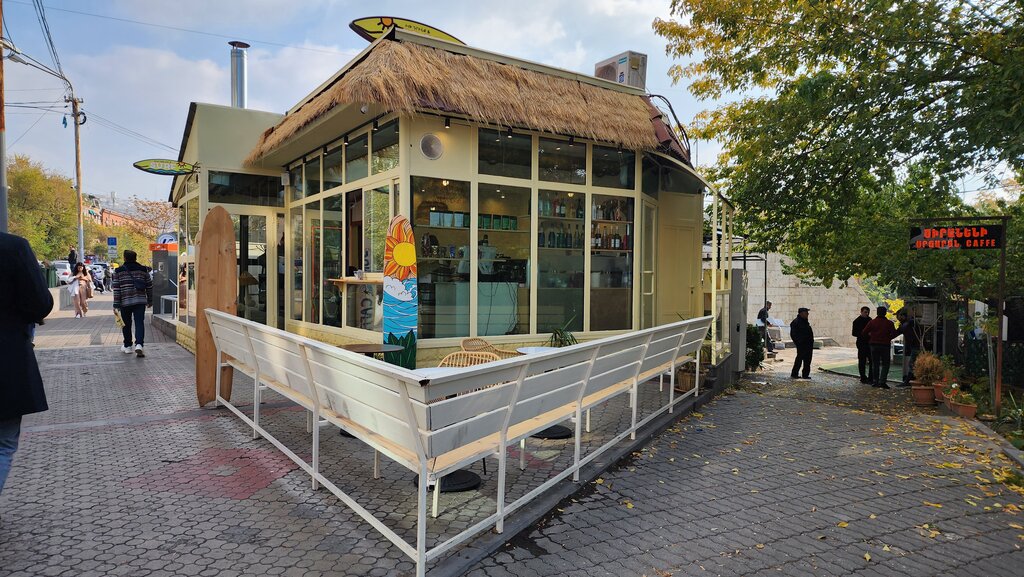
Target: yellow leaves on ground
(599, 482)
(867, 556)
(628, 504)
(872, 516)
(842, 524)
(1016, 526)
(886, 548)
(949, 465)
(759, 545)
(930, 504)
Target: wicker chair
(475, 344)
(467, 358)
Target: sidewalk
(125, 476)
(62, 330)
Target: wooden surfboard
(216, 288)
(401, 302)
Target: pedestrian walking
(880, 332)
(762, 315)
(72, 256)
(802, 334)
(24, 301)
(133, 293)
(81, 291)
(863, 348)
(911, 344)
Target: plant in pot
(963, 404)
(940, 386)
(928, 369)
(951, 390)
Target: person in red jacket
(879, 333)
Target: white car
(63, 268)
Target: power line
(125, 131)
(189, 30)
(27, 130)
(41, 16)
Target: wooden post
(999, 313)
(78, 174)
(3, 143)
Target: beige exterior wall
(832, 309)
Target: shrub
(928, 368)
(755, 348)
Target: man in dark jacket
(762, 315)
(72, 256)
(803, 339)
(863, 348)
(133, 292)
(880, 332)
(24, 301)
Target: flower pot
(924, 395)
(939, 396)
(966, 411)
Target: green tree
(838, 100)
(42, 208)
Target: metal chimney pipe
(239, 88)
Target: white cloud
(395, 288)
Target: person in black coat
(803, 339)
(24, 301)
(863, 347)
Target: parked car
(63, 269)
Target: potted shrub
(928, 369)
(964, 405)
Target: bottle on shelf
(540, 236)
(561, 208)
(625, 240)
(579, 208)
(551, 238)
(597, 237)
(593, 211)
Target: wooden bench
(437, 421)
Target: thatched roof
(407, 77)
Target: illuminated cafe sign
(956, 237)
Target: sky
(143, 77)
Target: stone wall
(832, 309)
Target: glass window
(251, 240)
(649, 177)
(385, 147)
(296, 263)
(312, 180)
(443, 255)
(356, 158)
(503, 260)
(504, 154)
(367, 217)
(251, 189)
(614, 168)
(560, 253)
(334, 261)
(314, 236)
(561, 161)
(611, 263)
(332, 169)
(183, 259)
(295, 178)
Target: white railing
(434, 422)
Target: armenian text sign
(956, 237)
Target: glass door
(251, 247)
(648, 256)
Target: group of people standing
(874, 344)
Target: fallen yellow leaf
(886, 548)
(872, 516)
(936, 505)
(600, 481)
(867, 556)
(629, 505)
(842, 524)
(759, 545)
(1016, 526)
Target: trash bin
(51, 276)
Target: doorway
(648, 264)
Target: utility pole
(78, 171)
(3, 141)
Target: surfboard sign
(373, 27)
(401, 302)
(216, 289)
(165, 167)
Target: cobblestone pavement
(124, 475)
(827, 477)
(62, 330)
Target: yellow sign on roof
(373, 27)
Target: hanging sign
(956, 237)
(165, 167)
(373, 27)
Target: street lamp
(79, 119)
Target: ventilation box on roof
(626, 68)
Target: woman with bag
(81, 290)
